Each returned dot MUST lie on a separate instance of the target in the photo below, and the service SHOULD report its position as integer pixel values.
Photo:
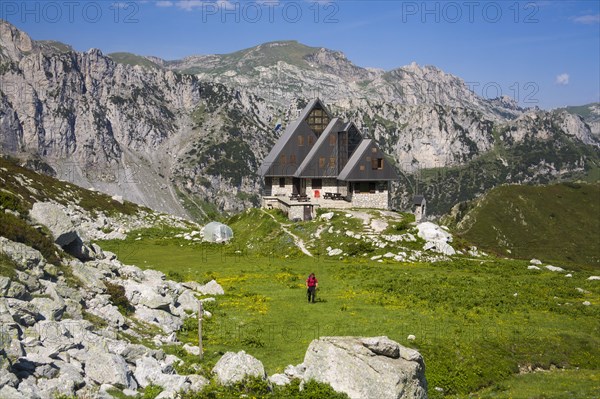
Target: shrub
(118, 298)
(151, 391)
(402, 225)
(10, 201)
(17, 229)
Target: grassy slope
(557, 223)
(20, 188)
(507, 163)
(291, 52)
(31, 187)
(584, 110)
(133, 59)
(471, 328)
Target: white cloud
(164, 3)
(562, 79)
(587, 19)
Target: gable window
(282, 182)
(332, 140)
(317, 184)
(293, 159)
(377, 163)
(300, 141)
(362, 168)
(322, 162)
(373, 150)
(311, 139)
(332, 162)
(282, 159)
(317, 120)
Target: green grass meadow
(477, 322)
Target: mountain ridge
(191, 144)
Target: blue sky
(544, 53)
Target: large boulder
(108, 368)
(56, 220)
(377, 368)
(21, 253)
(148, 371)
(234, 367)
(49, 308)
(432, 232)
(23, 312)
(165, 320)
(187, 301)
(90, 276)
(211, 288)
(437, 238)
(150, 295)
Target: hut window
(377, 163)
(317, 120)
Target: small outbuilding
(419, 207)
(217, 232)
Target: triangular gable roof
(273, 155)
(354, 159)
(348, 125)
(308, 167)
(352, 172)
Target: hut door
(268, 186)
(296, 188)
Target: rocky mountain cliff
(187, 136)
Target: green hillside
(585, 111)
(483, 324)
(556, 223)
(133, 59)
(480, 323)
(267, 54)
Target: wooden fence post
(200, 314)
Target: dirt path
(297, 240)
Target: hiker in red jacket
(311, 286)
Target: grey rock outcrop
(108, 368)
(56, 220)
(234, 367)
(50, 348)
(150, 371)
(22, 254)
(377, 368)
(211, 288)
